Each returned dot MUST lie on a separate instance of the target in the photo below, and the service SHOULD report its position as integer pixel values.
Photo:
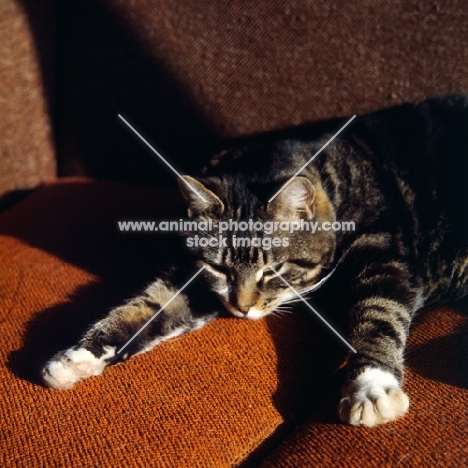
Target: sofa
(193, 76)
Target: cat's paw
(68, 367)
(375, 397)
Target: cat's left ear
(295, 200)
(201, 199)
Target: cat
(399, 174)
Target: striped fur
(399, 174)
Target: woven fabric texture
(193, 73)
(190, 75)
(224, 395)
(432, 434)
(27, 146)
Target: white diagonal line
(313, 310)
(161, 157)
(312, 158)
(160, 310)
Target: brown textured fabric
(189, 74)
(192, 72)
(27, 148)
(221, 396)
(435, 431)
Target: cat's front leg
(113, 339)
(379, 320)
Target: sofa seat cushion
(224, 395)
(435, 431)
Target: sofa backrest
(191, 74)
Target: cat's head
(241, 261)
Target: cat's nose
(244, 309)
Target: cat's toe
(68, 367)
(59, 374)
(374, 398)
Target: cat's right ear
(201, 200)
(295, 200)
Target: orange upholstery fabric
(191, 74)
(221, 396)
(226, 395)
(435, 431)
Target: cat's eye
(268, 273)
(303, 264)
(275, 268)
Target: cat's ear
(295, 200)
(201, 200)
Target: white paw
(375, 397)
(68, 367)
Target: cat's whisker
(292, 301)
(282, 311)
(277, 313)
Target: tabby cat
(399, 174)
